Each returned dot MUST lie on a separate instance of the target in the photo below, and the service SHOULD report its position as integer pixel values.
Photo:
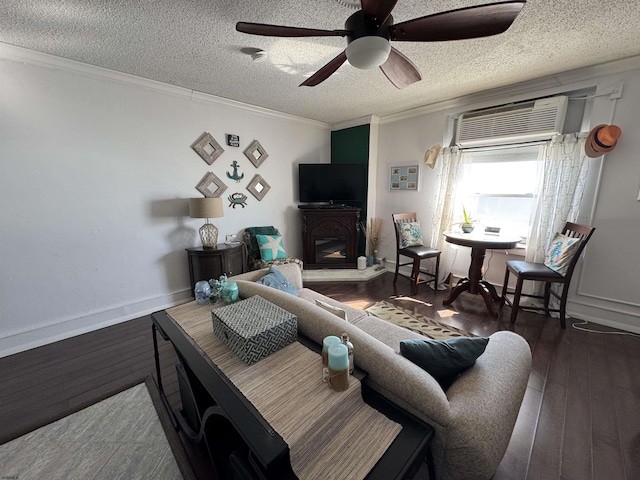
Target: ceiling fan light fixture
(368, 52)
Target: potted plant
(467, 223)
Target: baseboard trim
(27, 339)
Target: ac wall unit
(516, 123)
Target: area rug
(120, 436)
(415, 322)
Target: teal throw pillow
(275, 279)
(560, 252)
(271, 247)
(444, 360)
(410, 234)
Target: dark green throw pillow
(444, 359)
(254, 248)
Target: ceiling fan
(369, 31)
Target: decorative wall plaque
(258, 187)
(233, 140)
(211, 186)
(207, 147)
(404, 177)
(256, 153)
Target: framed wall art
(258, 187)
(207, 147)
(211, 186)
(256, 153)
(404, 177)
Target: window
(499, 186)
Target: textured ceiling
(193, 44)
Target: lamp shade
(368, 52)
(205, 208)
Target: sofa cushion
(337, 311)
(275, 279)
(444, 359)
(353, 314)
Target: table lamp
(207, 208)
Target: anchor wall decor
(235, 175)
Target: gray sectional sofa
(473, 420)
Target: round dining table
(479, 243)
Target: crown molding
(551, 84)
(45, 60)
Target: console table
(217, 383)
(208, 263)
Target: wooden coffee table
(278, 439)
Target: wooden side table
(208, 263)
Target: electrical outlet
(616, 92)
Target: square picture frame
(404, 177)
(207, 147)
(211, 186)
(258, 187)
(250, 153)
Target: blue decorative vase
(467, 227)
(202, 291)
(230, 292)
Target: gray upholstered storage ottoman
(254, 328)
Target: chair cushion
(534, 271)
(561, 252)
(410, 234)
(276, 279)
(271, 247)
(420, 251)
(444, 360)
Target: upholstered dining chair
(409, 243)
(549, 272)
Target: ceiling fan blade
(325, 72)
(400, 70)
(378, 9)
(280, 31)
(471, 22)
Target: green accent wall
(351, 145)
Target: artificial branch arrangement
(373, 234)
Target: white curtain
(564, 175)
(565, 168)
(448, 180)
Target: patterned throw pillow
(410, 234)
(271, 247)
(560, 252)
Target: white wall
(95, 172)
(606, 289)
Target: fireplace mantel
(330, 237)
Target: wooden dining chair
(416, 253)
(539, 272)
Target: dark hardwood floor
(580, 418)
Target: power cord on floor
(577, 326)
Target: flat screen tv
(332, 182)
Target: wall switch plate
(616, 92)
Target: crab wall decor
(237, 199)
